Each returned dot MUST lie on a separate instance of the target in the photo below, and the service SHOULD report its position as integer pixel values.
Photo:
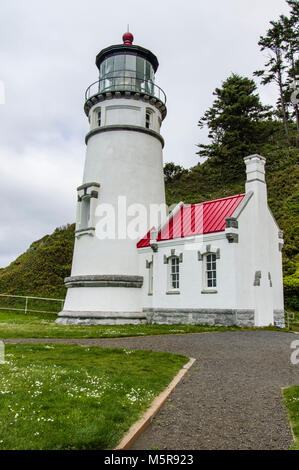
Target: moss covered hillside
(41, 269)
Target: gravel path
(230, 398)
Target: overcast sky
(47, 55)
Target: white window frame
(99, 117)
(210, 259)
(149, 118)
(87, 201)
(95, 120)
(150, 277)
(171, 273)
(84, 221)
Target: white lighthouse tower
(123, 167)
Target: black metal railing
(124, 83)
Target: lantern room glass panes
(211, 270)
(119, 63)
(130, 63)
(140, 68)
(126, 72)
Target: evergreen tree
(291, 48)
(173, 172)
(282, 42)
(234, 121)
(275, 67)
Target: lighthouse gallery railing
(125, 83)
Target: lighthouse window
(140, 68)
(85, 212)
(119, 62)
(147, 120)
(99, 118)
(109, 66)
(147, 70)
(131, 63)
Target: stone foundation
(68, 317)
(279, 320)
(165, 316)
(200, 317)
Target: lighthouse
(123, 172)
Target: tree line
(238, 122)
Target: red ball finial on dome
(128, 38)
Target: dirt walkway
(231, 397)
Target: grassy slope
(41, 269)
(291, 400)
(72, 397)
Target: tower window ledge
(85, 231)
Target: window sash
(174, 273)
(211, 274)
(147, 120)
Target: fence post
(26, 304)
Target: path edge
(140, 426)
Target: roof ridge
(214, 200)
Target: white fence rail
(290, 316)
(26, 298)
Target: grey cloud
(47, 53)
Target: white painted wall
(191, 274)
(257, 250)
(126, 164)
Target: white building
(217, 262)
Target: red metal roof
(145, 241)
(197, 219)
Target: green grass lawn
(291, 400)
(18, 325)
(72, 397)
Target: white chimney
(255, 173)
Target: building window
(87, 200)
(174, 273)
(150, 278)
(99, 118)
(148, 120)
(211, 270)
(85, 212)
